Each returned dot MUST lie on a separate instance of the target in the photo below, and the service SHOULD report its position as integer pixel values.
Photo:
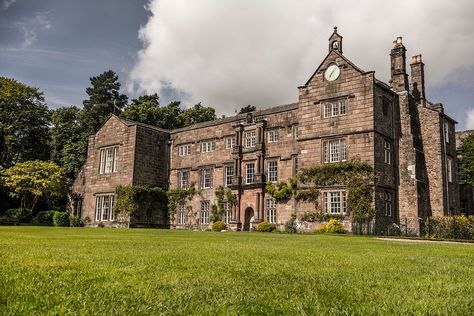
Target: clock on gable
(332, 72)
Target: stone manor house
(342, 113)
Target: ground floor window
(181, 214)
(204, 218)
(388, 203)
(270, 208)
(104, 207)
(227, 212)
(334, 202)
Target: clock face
(332, 73)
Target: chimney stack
(399, 78)
(418, 78)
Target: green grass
(112, 271)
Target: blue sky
(229, 53)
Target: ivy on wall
(140, 202)
(179, 196)
(357, 176)
(222, 195)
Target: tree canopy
(247, 109)
(24, 123)
(104, 99)
(467, 159)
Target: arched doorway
(248, 222)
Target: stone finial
(335, 29)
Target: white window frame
(296, 132)
(109, 159)
(206, 178)
(449, 169)
(230, 142)
(183, 181)
(335, 202)
(182, 214)
(387, 196)
(204, 215)
(446, 132)
(207, 147)
(228, 175)
(227, 216)
(334, 150)
(273, 136)
(184, 150)
(272, 170)
(270, 209)
(250, 139)
(104, 207)
(250, 173)
(335, 108)
(387, 149)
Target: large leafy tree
(69, 140)
(467, 159)
(30, 180)
(146, 109)
(198, 114)
(24, 123)
(104, 99)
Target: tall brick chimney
(399, 79)
(418, 78)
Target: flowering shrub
(265, 227)
(218, 226)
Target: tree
(104, 99)
(30, 180)
(69, 140)
(146, 109)
(198, 114)
(24, 123)
(247, 109)
(467, 159)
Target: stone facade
(342, 113)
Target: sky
(230, 53)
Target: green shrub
(449, 227)
(44, 218)
(75, 221)
(290, 225)
(265, 227)
(61, 219)
(218, 226)
(21, 215)
(335, 227)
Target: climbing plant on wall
(179, 196)
(140, 202)
(223, 195)
(357, 176)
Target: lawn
(55, 271)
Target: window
(183, 179)
(296, 165)
(296, 132)
(387, 196)
(181, 214)
(446, 131)
(333, 109)
(273, 136)
(250, 139)
(387, 148)
(227, 212)
(184, 150)
(449, 166)
(206, 178)
(272, 170)
(108, 159)
(250, 173)
(270, 207)
(204, 218)
(334, 150)
(208, 146)
(334, 202)
(104, 207)
(229, 173)
(230, 142)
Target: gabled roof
(324, 60)
(133, 123)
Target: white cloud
(470, 119)
(231, 53)
(32, 26)
(7, 3)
